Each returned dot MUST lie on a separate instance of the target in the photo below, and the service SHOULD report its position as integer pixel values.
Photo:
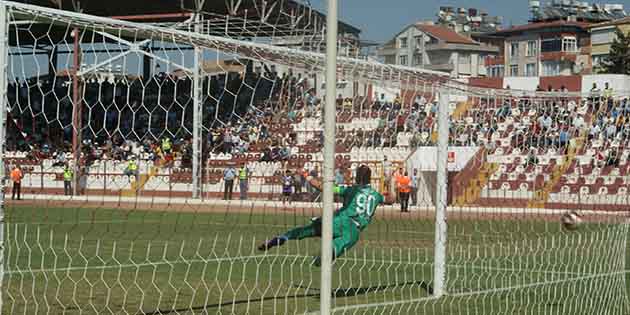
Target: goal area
(157, 158)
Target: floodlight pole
(329, 158)
(197, 116)
(439, 267)
(4, 49)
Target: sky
(380, 20)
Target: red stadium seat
(612, 189)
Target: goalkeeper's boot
(276, 241)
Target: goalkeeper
(359, 204)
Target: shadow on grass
(361, 291)
(339, 293)
(218, 305)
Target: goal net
(156, 159)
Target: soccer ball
(571, 220)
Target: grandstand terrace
(534, 151)
(532, 148)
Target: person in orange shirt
(16, 177)
(397, 175)
(404, 188)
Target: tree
(618, 61)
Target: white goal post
(157, 162)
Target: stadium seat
(524, 186)
(612, 189)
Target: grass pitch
(87, 259)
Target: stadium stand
(534, 151)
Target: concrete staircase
(138, 185)
(470, 181)
(461, 109)
(541, 196)
(475, 185)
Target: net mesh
(107, 118)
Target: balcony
(495, 61)
(462, 47)
(559, 56)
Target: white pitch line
(142, 222)
(175, 262)
(67, 223)
(466, 266)
(314, 206)
(193, 261)
(537, 284)
(516, 270)
(472, 293)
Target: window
(418, 41)
(482, 59)
(402, 60)
(514, 70)
(496, 71)
(417, 60)
(569, 44)
(403, 42)
(514, 50)
(551, 44)
(598, 60)
(602, 37)
(530, 70)
(550, 68)
(532, 48)
(464, 59)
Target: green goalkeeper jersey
(359, 203)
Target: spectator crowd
(130, 119)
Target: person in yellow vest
(243, 181)
(67, 180)
(608, 91)
(166, 145)
(16, 178)
(132, 169)
(398, 100)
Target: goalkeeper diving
(359, 204)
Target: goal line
(238, 258)
(480, 292)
